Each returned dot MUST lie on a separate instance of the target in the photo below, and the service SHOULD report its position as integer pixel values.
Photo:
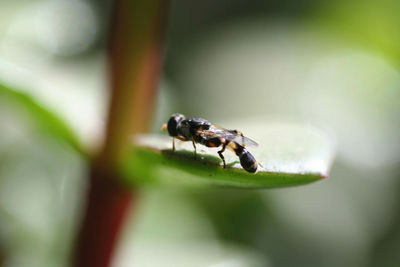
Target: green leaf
(291, 154)
(41, 118)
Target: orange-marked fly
(203, 132)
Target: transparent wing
(244, 141)
(231, 135)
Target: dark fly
(203, 132)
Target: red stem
(108, 203)
(135, 60)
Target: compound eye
(172, 126)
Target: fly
(201, 131)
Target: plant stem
(135, 61)
(135, 65)
(107, 206)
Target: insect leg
(173, 141)
(222, 156)
(194, 145)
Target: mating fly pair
(201, 131)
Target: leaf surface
(39, 117)
(290, 154)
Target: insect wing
(210, 133)
(232, 135)
(244, 141)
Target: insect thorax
(187, 128)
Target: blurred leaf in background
(41, 182)
(50, 113)
(369, 24)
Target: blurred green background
(333, 64)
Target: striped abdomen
(247, 160)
